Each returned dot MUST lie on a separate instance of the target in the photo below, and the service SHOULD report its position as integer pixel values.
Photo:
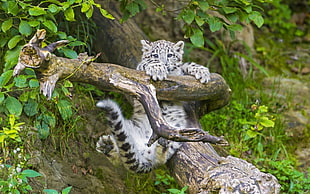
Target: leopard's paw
(203, 74)
(106, 145)
(157, 71)
(200, 72)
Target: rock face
(75, 162)
(293, 95)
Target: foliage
(16, 181)
(251, 125)
(20, 96)
(20, 19)
(53, 191)
(291, 180)
(158, 181)
(13, 178)
(165, 180)
(251, 122)
(196, 14)
(278, 16)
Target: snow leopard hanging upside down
(129, 138)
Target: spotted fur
(129, 137)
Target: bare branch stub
(32, 55)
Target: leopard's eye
(155, 55)
(169, 55)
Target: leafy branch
(197, 14)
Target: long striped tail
(122, 131)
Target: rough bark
(195, 164)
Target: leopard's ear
(146, 45)
(178, 47)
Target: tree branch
(117, 78)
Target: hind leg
(107, 145)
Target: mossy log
(195, 164)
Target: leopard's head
(167, 52)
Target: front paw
(203, 74)
(157, 71)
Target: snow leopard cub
(129, 138)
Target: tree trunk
(195, 164)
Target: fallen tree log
(51, 68)
(195, 164)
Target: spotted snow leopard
(129, 138)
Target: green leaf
(76, 43)
(189, 16)
(133, 8)
(234, 27)
(13, 8)
(233, 17)
(197, 38)
(2, 137)
(5, 78)
(106, 14)
(65, 109)
(50, 191)
(13, 106)
(199, 21)
(229, 10)
(69, 14)
(85, 7)
(11, 57)
(25, 28)
(68, 84)
(36, 11)
(174, 191)
(24, 97)
(43, 130)
(53, 8)
(3, 41)
(215, 24)
(1, 97)
(34, 23)
(23, 5)
(141, 3)
(30, 173)
(251, 133)
(7, 24)
(21, 81)
(33, 83)
(14, 41)
(31, 108)
(49, 119)
(29, 71)
(89, 13)
(248, 9)
(69, 53)
(66, 190)
(267, 123)
(50, 25)
(62, 35)
(257, 18)
(204, 6)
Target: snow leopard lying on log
(129, 138)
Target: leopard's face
(168, 53)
